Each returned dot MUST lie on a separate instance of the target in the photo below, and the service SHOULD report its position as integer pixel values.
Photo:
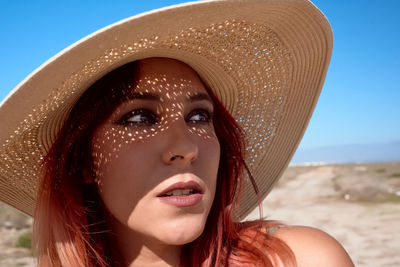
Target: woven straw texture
(266, 61)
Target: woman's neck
(130, 248)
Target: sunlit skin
(162, 135)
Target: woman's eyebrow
(198, 97)
(155, 97)
(144, 96)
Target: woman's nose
(182, 147)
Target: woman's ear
(88, 177)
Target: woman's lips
(182, 201)
(182, 194)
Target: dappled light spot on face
(158, 106)
(160, 134)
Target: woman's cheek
(210, 164)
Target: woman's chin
(180, 233)
(180, 238)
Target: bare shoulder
(313, 247)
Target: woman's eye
(139, 117)
(199, 116)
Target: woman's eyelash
(139, 117)
(145, 117)
(199, 116)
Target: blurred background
(348, 163)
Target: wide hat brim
(265, 59)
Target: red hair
(70, 229)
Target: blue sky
(359, 103)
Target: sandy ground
(358, 204)
(10, 256)
(368, 228)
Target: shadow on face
(157, 149)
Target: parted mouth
(181, 189)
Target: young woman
(150, 140)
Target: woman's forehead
(166, 67)
(167, 78)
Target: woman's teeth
(180, 192)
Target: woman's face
(156, 157)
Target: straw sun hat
(265, 59)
